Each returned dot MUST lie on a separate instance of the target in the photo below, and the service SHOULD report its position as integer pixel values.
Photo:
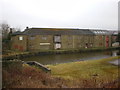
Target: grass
(94, 72)
(83, 74)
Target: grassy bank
(92, 73)
(83, 74)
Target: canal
(66, 58)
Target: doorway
(57, 42)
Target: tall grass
(28, 77)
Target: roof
(102, 32)
(56, 31)
(17, 33)
(114, 32)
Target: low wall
(39, 65)
(17, 64)
(29, 54)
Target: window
(57, 39)
(98, 32)
(91, 44)
(102, 32)
(32, 37)
(20, 38)
(86, 45)
(44, 38)
(95, 32)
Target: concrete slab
(115, 62)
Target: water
(66, 58)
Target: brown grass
(29, 77)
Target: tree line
(5, 34)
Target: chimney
(27, 27)
(11, 30)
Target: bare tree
(4, 28)
(7, 32)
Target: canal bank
(91, 73)
(9, 55)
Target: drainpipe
(73, 42)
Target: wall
(19, 45)
(66, 41)
(46, 42)
(109, 41)
(40, 42)
(99, 41)
(77, 41)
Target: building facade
(37, 39)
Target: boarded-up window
(57, 39)
(57, 46)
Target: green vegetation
(92, 73)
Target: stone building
(38, 39)
(102, 38)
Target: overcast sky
(92, 14)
